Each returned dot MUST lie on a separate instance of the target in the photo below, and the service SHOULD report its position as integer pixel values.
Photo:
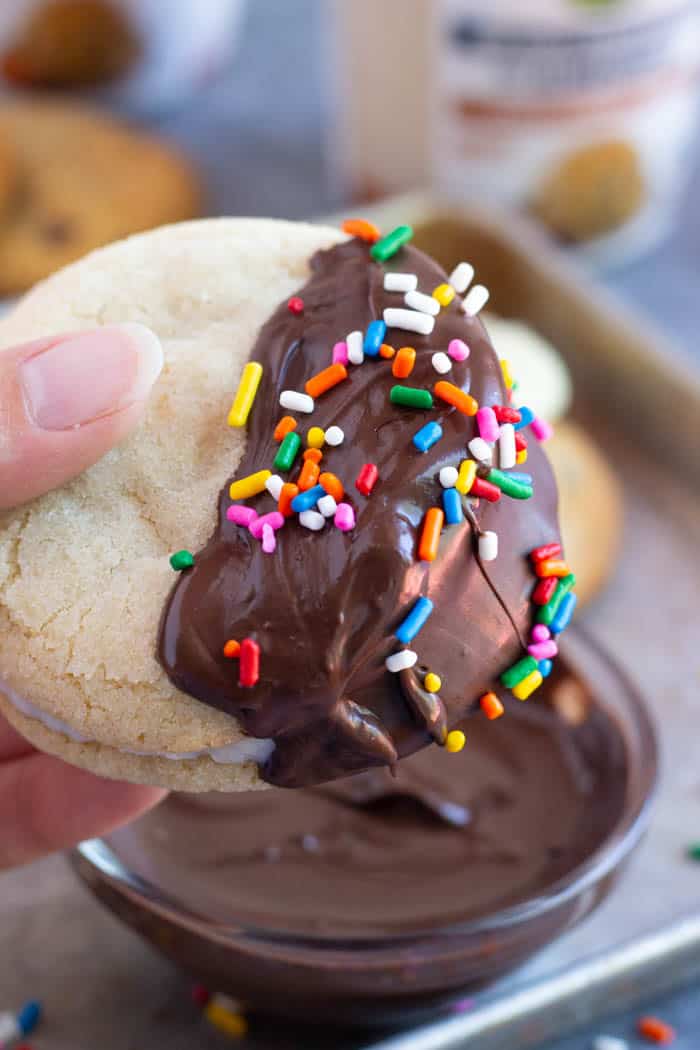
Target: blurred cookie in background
(590, 497)
(9, 174)
(69, 44)
(82, 180)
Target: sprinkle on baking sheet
(655, 1030)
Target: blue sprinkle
(28, 1017)
(410, 627)
(545, 668)
(376, 330)
(517, 475)
(526, 417)
(452, 503)
(564, 613)
(307, 500)
(427, 436)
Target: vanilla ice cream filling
(250, 749)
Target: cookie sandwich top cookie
(383, 560)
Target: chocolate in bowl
(377, 900)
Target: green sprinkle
(287, 452)
(549, 611)
(389, 245)
(518, 671)
(693, 851)
(181, 560)
(509, 486)
(411, 397)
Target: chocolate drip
(325, 606)
(428, 707)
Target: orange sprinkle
(430, 536)
(285, 425)
(403, 362)
(454, 396)
(552, 567)
(491, 706)
(287, 494)
(332, 485)
(308, 476)
(656, 1031)
(231, 649)
(313, 454)
(363, 229)
(386, 351)
(326, 379)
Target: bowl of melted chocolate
(379, 898)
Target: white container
(582, 111)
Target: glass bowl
(389, 979)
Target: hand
(64, 402)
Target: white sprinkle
(506, 447)
(609, 1042)
(334, 436)
(448, 477)
(409, 320)
(461, 277)
(310, 843)
(422, 302)
(401, 660)
(327, 505)
(480, 450)
(296, 402)
(488, 546)
(274, 485)
(475, 300)
(400, 282)
(441, 363)
(355, 342)
(311, 519)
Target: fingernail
(89, 375)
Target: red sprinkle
(249, 668)
(655, 1031)
(506, 414)
(295, 305)
(544, 590)
(485, 489)
(547, 550)
(520, 442)
(367, 479)
(200, 995)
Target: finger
(66, 400)
(47, 805)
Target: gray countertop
(258, 137)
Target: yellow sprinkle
(250, 486)
(521, 457)
(466, 476)
(444, 293)
(245, 395)
(432, 682)
(316, 437)
(507, 374)
(528, 685)
(455, 741)
(227, 1022)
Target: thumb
(66, 400)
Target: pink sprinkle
(268, 539)
(340, 354)
(543, 650)
(458, 350)
(344, 517)
(541, 429)
(487, 424)
(540, 633)
(274, 519)
(241, 515)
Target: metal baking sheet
(103, 987)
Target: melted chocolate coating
(449, 838)
(325, 606)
